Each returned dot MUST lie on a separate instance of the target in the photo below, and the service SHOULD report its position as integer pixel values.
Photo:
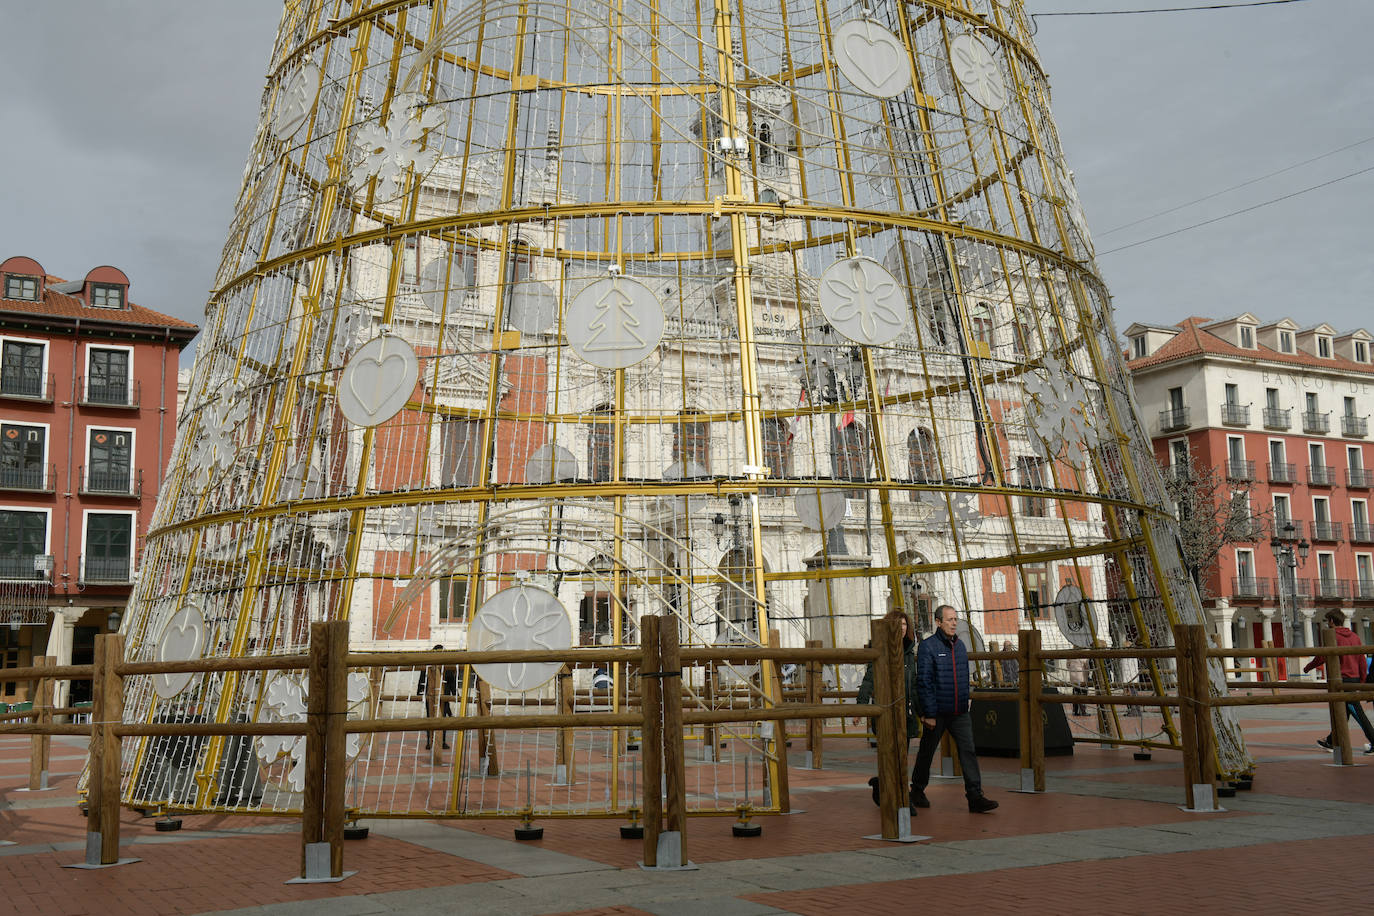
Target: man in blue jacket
(942, 683)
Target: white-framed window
(1321, 509)
(1245, 571)
(23, 367)
(25, 534)
(109, 374)
(1324, 347)
(1354, 457)
(1178, 455)
(1364, 575)
(1283, 508)
(1361, 351)
(1285, 341)
(1138, 346)
(22, 287)
(107, 296)
(107, 552)
(1247, 337)
(109, 460)
(24, 456)
(1359, 513)
(1326, 569)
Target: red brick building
(1283, 412)
(88, 408)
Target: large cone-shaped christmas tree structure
(536, 317)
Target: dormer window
(1247, 337)
(1285, 341)
(1361, 351)
(107, 296)
(18, 286)
(1138, 346)
(1324, 347)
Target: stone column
(1224, 614)
(837, 610)
(60, 637)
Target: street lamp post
(1288, 559)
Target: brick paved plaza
(1107, 837)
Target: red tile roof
(1192, 341)
(55, 304)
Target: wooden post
(95, 783)
(564, 695)
(708, 697)
(1340, 731)
(316, 713)
(1187, 709)
(40, 745)
(434, 706)
(484, 748)
(1271, 664)
(783, 790)
(815, 728)
(335, 744)
(1023, 703)
(1033, 673)
(110, 749)
(651, 740)
(1202, 692)
(674, 754)
(892, 792)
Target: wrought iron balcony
(1283, 531)
(1355, 427)
(105, 393)
(1278, 418)
(1359, 478)
(1321, 475)
(1235, 415)
(1313, 422)
(32, 479)
(1362, 533)
(1330, 589)
(29, 567)
(1240, 469)
(1296, 588)
(106, 570)
(1283, 472)
(31, 386)
(1173, 419)
(1250, 587)
(125, 482)
(1364, 590)
(1326, 531)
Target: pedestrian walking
(1353, 671)
(913, 709)
(942, 689)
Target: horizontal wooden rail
(199, 665)
(1086, 699)
(1091, 654)
(209, 728)
(758, 653)
(1289, 652)
(44, 728)
(425, 659)
(56, 672)
(1355, 696)
(775, 713)
(470, 723)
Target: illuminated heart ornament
(872, 58)
(182, 639)
(378, 380)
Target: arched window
(777, 453)
(849, 453)
(921, 460)
(980, 321)
(600, 444)
(765, 142)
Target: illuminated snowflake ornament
(959, 511)
(409, 139)
(1058, 413)
(522, 617)
(284, 701)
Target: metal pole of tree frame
(651, 741)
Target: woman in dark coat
(913, 712)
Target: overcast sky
(127, 126)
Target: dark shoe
(981, 804)
(444, 745)
(1324, 743)
(918, 799)
(428, 745)
(913, 809)
(873, 783)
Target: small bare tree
(1214, 509)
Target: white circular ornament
(863, 301)
(871, 58)
(614, 323)
(977, 71)
(550, 463)
(520, 617)
(378, 380)
(1071, 613)
(821, 510)
(532, 306)
(973, 640)
(435, 284)
(182, 639)
(295, 98)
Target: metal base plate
(87, 865)
(347, 874)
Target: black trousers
(1356, 710)
(961, 729)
